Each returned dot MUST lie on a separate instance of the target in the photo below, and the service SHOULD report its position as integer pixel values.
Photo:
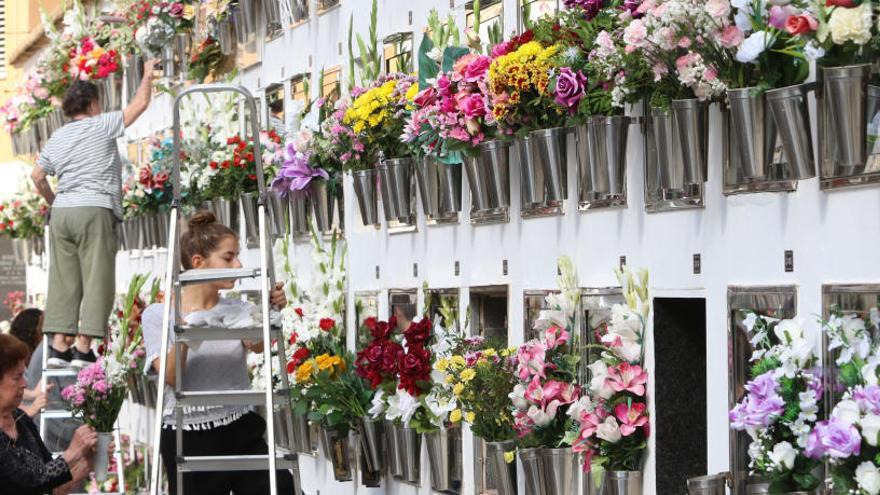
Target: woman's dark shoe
(82, 359)
(58, 359)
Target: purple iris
(296, 174)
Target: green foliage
(763, 366)
(370, 62)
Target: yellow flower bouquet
(376, 118)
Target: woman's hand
(277, 296)
(83, 442)
(38, 404)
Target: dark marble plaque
(680, 392)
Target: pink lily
(556, 336)
(628, 378)
(631, 416)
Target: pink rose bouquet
(612, 418)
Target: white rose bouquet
(847, 32)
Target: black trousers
(241, 437)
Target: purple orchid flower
(296, 174)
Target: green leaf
(428, 68)
(451, 54)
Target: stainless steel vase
(559, 471)
(442, 458)
(279, 209)
(669, 169)
(531, 176)
(21, 250)
(183, 47)
(302, 441)
(692, 129)
(371, 435)
(533, 471)
(593, 484)
(366, 191)
(752, 133)
(409, 448)
(439, 187)
(169, 67)
(393, 451)
(226, 36)
(715, 484)
(226, 212)
(600, 144)
(844, 99)
(395, 179)
(322, 205)
(161, 229)
(272, 12)
(283, 435)
(111, 92)
(337, 447)
(504, 472)
(550, 148)
(488, 176)
(623, 483)
(790, 112)
(251, 221)
(134, 72)
(299, 215)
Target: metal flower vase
(791, 114)
(111, 92)
(279, 209)
(371, 432)
(505, 472)
(21, 250)
(183, 47)
(550, 153)
(302, 441)
(533, 471)
(272, 12)
(531, 175)
(560, 471)
(299, 216)
(623, 483)
(226, 212)
(439, 188)
(283, 435)
(845, 117)
(134, 72)
(714, 484)
(169, 68)
(752, 133)
(692, 130)
(251, 222)
(669, 171)
(336, 446)
(409, 450)
(393, 450)
(442, 458)
(226, 36)
(395, 179)
(601, 152)
(489, 176)
(367, 195)
(592, 485)
(322, 202)
(101, 460)
(247, 19)
(160, 226)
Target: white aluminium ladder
(174, 280)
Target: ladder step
(60, 372)
(228, 398)
(196, 334)
(56, 414)
(233, 463)
(215, 274)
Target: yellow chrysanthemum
(458, 362)
(449, 379)
(458, 389)
(412, 91)
(468, 375)
(441, 364)
(489, 352)
(455, 415)
(470, 416)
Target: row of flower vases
(26, 250)
(240, 23)
(316, 203)
(29, 141)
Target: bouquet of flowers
(454, 116)
(848, 440)
(673, 35)
(97, 395)
(546, 370)
(205, 58)
(23, 217)
(90, 61)
(765, 45)
(237, 172)
(844, 32)
(613, 425)
(522, 97)
(376, 118)
(781, 409)
(296, 174)
(481, 379)
(158, 22)
(151, 191)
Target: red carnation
(327, 324)
(299, 312)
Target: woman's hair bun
(200, 218)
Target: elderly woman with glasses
(26, 466)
